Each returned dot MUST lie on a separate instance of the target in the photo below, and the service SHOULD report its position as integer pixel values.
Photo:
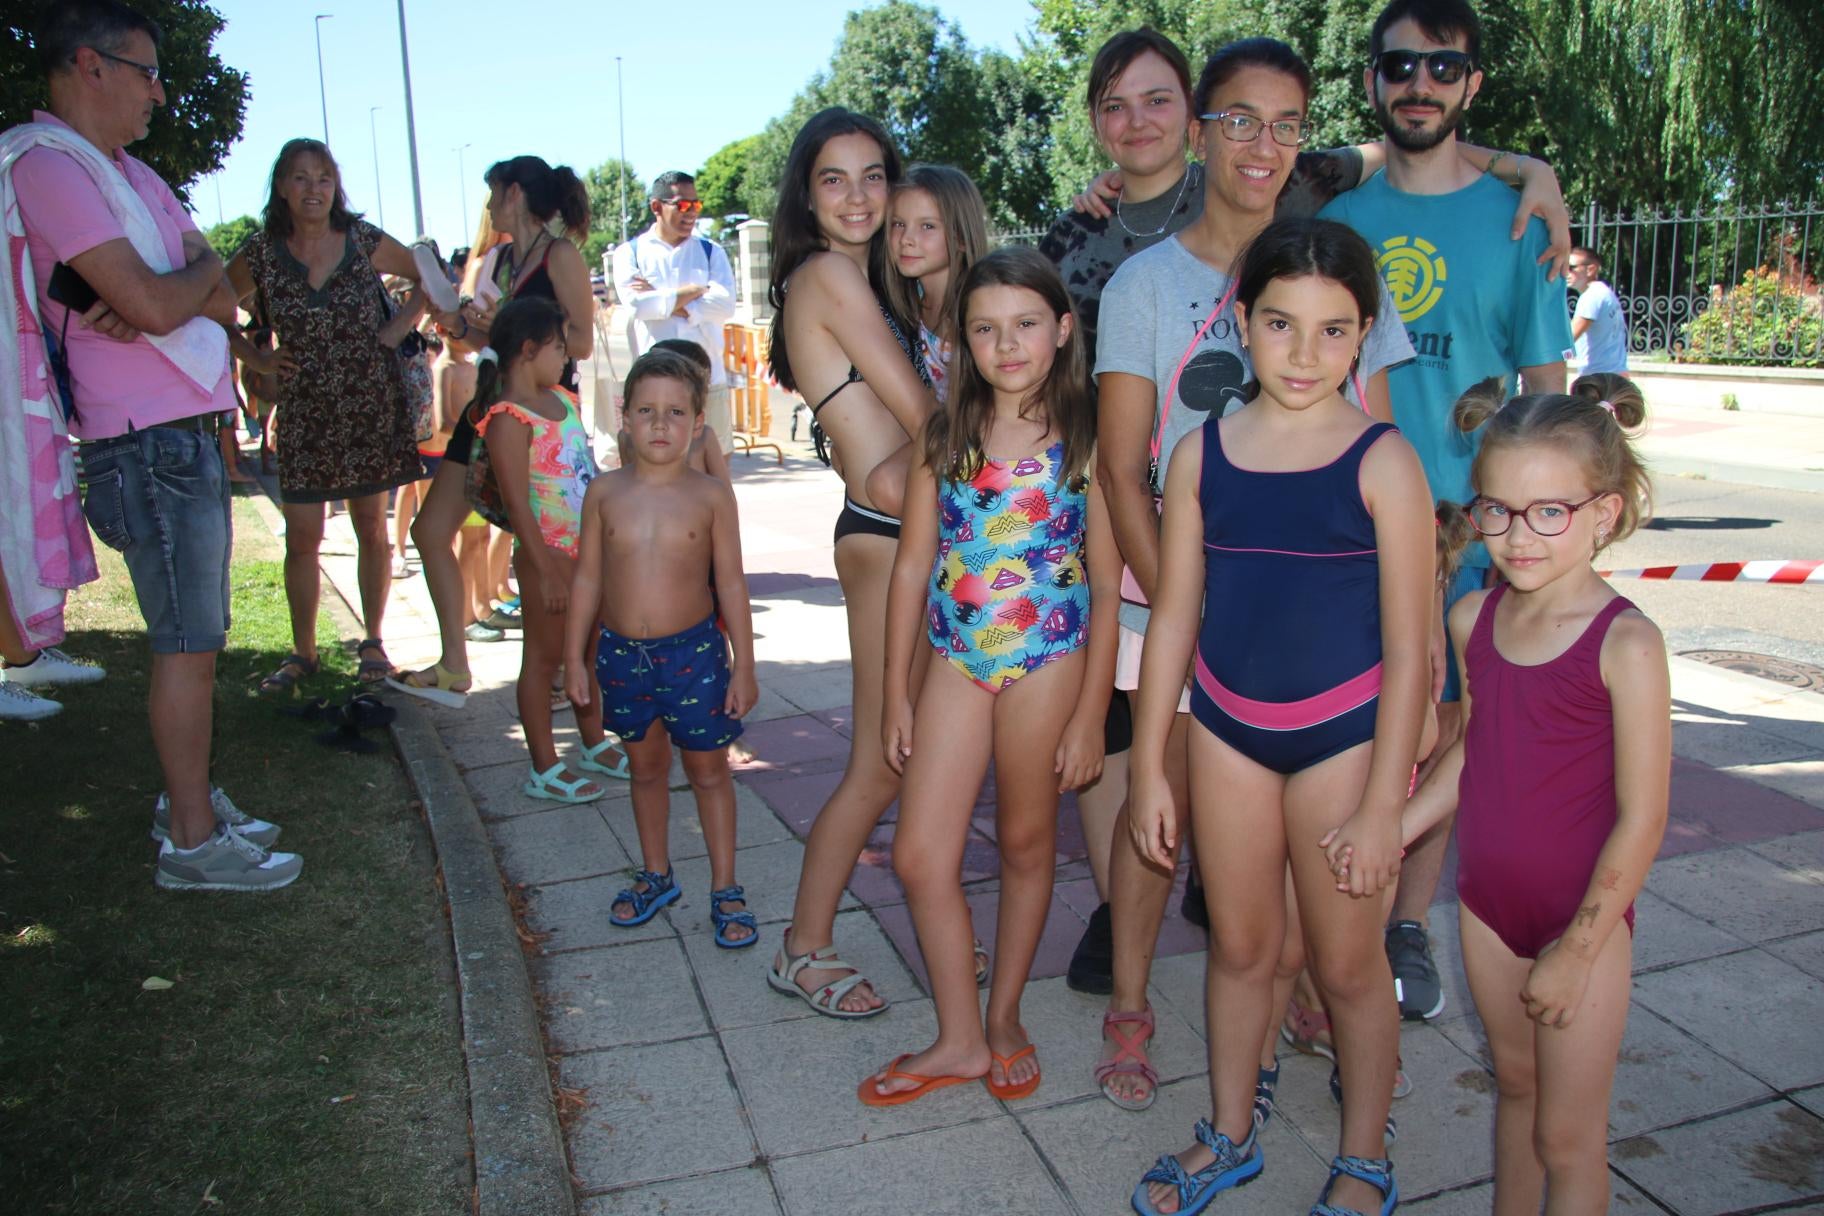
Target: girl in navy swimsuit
(1560, 779)
(1298, 531)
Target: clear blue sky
(533, 77)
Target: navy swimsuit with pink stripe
(1288, 669)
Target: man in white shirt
(679, 285)
(1600, 331)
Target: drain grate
(1790, 672)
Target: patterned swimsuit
(1007, 589)
(559, 465)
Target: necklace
(514, 265)
(1182, 183)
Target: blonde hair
(1593, 422)
(1455, 532)
(965, 241)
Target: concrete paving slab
(1811, 1099)
(637, 993)
(769, 872)
(733, 982)
(796, 798)
(1740, 892)
(1663, 1078)
(1727, 740)
(499, 791)
(1733, 810)
(1100, 1152)
(770, 706)
(560, 844)
(1736, 1162)
(953, 1171)
(1806, 952)
(744, 1192)
(1446, 1126)
(1065, 1025)
(799, 1080)
(1756, 1011)
(755, 824)
(656, 1113)
(1666, 935)
(1479, 1200)
(1800, 779)
(1803, 852)
(817, 690)
(575, 914)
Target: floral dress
(343, 430)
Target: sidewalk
(707, 1092)
(1780, 451)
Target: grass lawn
(307, 1057)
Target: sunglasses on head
(1446, 67)
(685, 206)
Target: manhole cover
(1789, 672)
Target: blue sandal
(1336, 1096)
(1377, 1172)
(1266, 1086)
(1235, 1165)
(722, 920)
(659, 892)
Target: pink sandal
(1130, 1060)
(1301, 1028)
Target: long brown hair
(965, 220)
(955, 438)
(276, 218)
(795, 235)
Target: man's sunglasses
(1446, 67)
(685, 206)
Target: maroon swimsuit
(1536, 802)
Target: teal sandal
(722, 920)
(622, 770)
(551, 786)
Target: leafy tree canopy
(721, 180)
(227, 237)
(605, 215)
(206, 101)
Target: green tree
(206, 101)
(722, 179)
(605, 215)
(226, 238)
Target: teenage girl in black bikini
(835, 339)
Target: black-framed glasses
(1446, 67)
(1241, 127)
(1548, 517)
(148, 70)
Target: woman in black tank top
(527, 200)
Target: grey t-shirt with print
(1151, 311)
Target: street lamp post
(620, 105)
(463, 173)
(411, 129)
(374, 134)
(322, 93)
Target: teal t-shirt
(1475, 304)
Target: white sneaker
(433, 279)
(53, 666)
(227, 814)
(23, 705)
(225, 862)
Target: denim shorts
(160, 497)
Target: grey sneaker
(1415, 975)
(225, 862)
(23, 705)
(52, 666)
(255, 831)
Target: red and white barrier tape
(1790, 574)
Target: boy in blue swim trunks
(662, 668)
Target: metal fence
(1030, 236)
(1718, 285)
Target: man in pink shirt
(148, 396)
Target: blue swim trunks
(681, 680)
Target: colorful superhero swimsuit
(1289, 653)
(681, 680)
(1536, 801)
(1007, 589)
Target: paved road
(1696, 520)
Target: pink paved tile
(841, 719)
(1735, 810)
(794, 797)
(796, 741)
(874, 883)
(1062, 929)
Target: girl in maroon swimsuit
(1561, 776)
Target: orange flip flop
(871, 1097)
(1009, 1092)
